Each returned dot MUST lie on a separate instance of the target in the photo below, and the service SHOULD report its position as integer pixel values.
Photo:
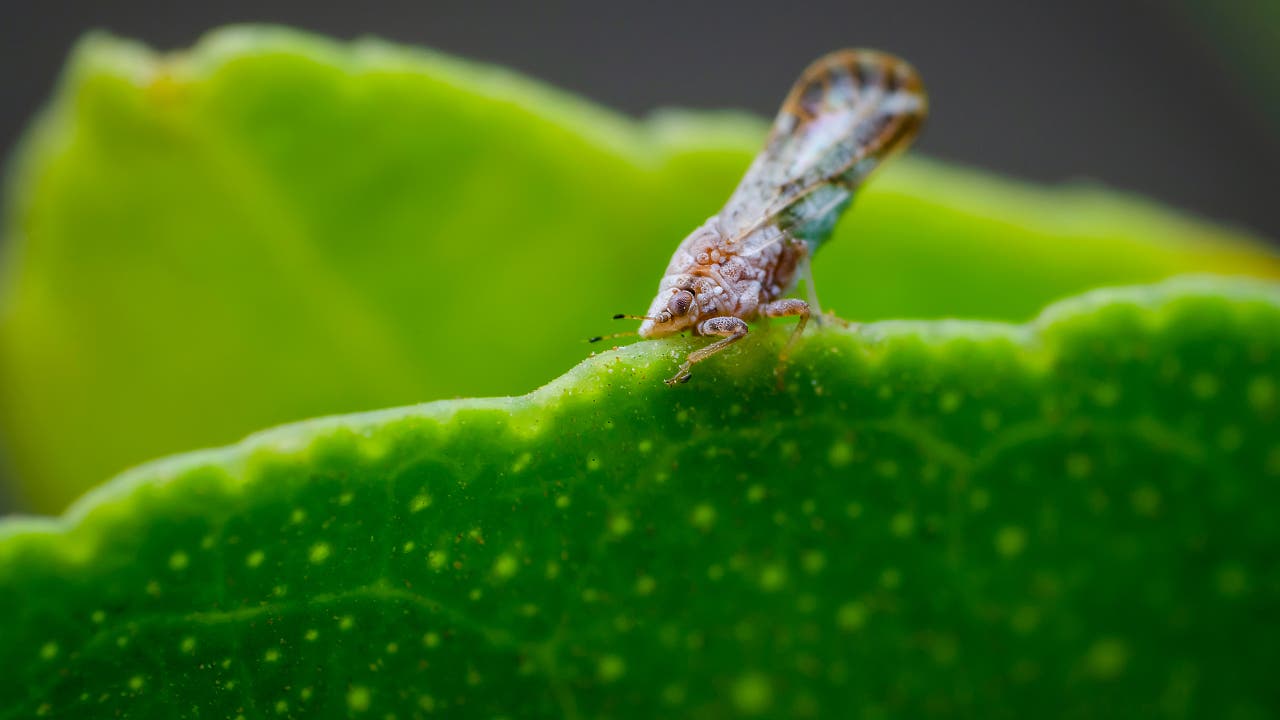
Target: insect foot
(731, 328)
(786, 308)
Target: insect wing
(848, 112)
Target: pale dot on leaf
(949, 402)
(752, 693)
(619, 525)
(505, 566)
(773, 577)
(1233, 581)
(1262, 393)
(979, 499)
(1204, 386)
(49, 651)
(840, 454)
(1230, 438)
(1025, 619)
(358, 698)
(1107, 658)
(178, 561)
(703, 516)
(255, 558)
(814, 561)
(851, 616)
(1146, 500)
(645, 585)
(902, 524)
(319, 552)
(610, 668)
(1079, 465)
(521, 463)
(1011, 540)
(1106, 395)
(420, 502)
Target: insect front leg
(732, 329)
(784, 308)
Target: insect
(849, 111)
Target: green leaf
(271, 226)
(1073, 517)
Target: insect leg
(784, 308)
(806, 273)
(731, 328)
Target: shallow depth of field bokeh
(1039, 479)
(1159, 101)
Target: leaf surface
(1073, 517)
(271, 226)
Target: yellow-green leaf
(272, 226)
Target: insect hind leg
(785, 308)
(732, 329)
(806, 274)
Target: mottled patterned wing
(849, 111)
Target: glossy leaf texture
(1074, 517)
(271, 226)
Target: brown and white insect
(848, 112)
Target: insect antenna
(622, 316)
(598, 338)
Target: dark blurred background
(1152, 96)
(1174, 99)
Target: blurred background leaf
(273, 226)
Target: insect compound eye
(680, 303)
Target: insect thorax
(725, 275)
